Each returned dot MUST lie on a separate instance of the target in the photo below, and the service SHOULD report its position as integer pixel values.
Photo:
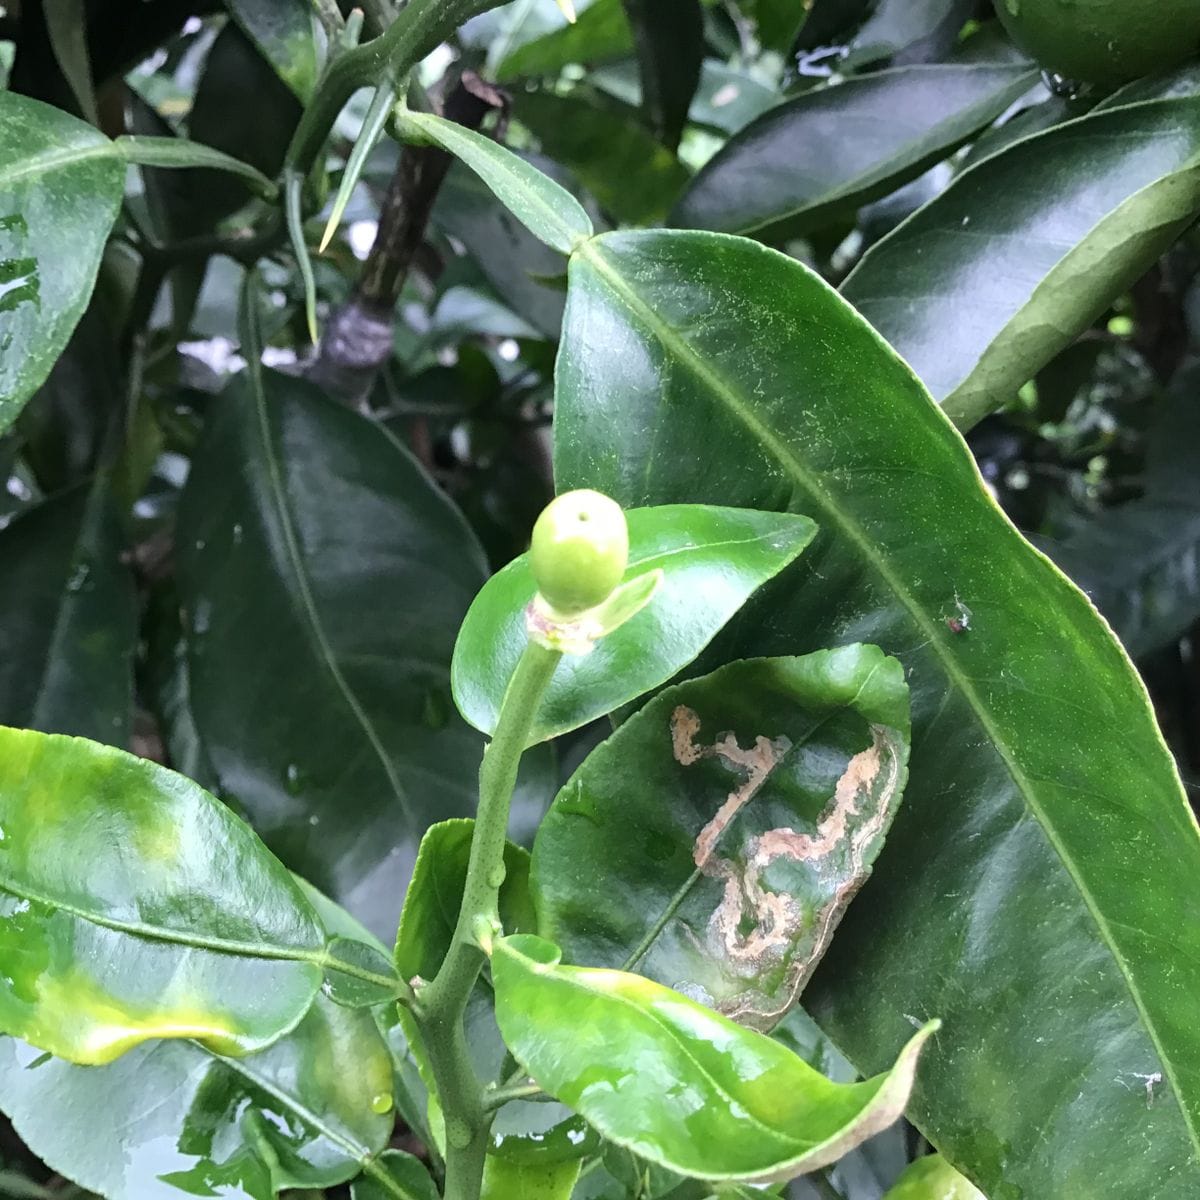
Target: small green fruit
(579, 551)
(1104, 41)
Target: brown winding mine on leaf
(754, 928)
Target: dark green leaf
(67, 425)
(776, 22)
(324, 577)
(171, 1117)
(136, 906)
(237, 80)
(600, 32)
(713, 560)
(760, 796)
(738, 1105)
(933, 1178)
(356, 989)
(1033, 119)
(795, 168)
(395, 1175)
(1044, 825)
(283, 31)
(66, 24)
(726, 99)
(60, 188)
(545, 208)
(68, 619)
(669, 35)
(1140, 561)
(633, 176)
(1032, 244)
(908, 30)
(511, 258)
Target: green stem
(418, 28)
(499, 1097)
(443, 1002)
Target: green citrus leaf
(678, 1084)
(283, 31)
(700, 367)
(68, 618)
(794, 169)
(540, 41)
(712, 560)
(632, 175)
(395, 1176)
(761, 795)
(669, 36)
(545, 208)
(172, 1117)
(933, 1178)
(136, 906)
(504, 1180)
(435, 893)
(1034, 243)
(522, 1131)
(60, 189)
(324, 577)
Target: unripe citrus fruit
(579, 551)
(1104, 41)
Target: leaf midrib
(592, 253)
(160, 933)
(55, 160)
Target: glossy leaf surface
(503, 1180)
(60, 188)
(933, 1178)
(633, 176)
(523, 1131)
(737, 1105)
(512, 259)
(68, 619)
(136, 906)
(172, 1118)
(435, 894)
(544, 207)
(1023, 251)
(760, 796)
(1013, 897)
(324, 577)
(797, 166)
(283, 31)
(395, 1174)
(712, 560)
(669, 36)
